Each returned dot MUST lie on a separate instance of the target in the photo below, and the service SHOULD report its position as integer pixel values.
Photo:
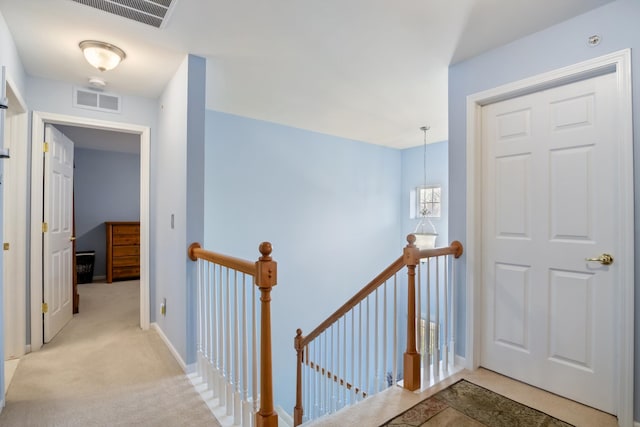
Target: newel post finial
(411, 253)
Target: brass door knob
(72, 238)
(604, 259)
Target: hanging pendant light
(425, 231)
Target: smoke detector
(97, 83)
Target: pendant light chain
(423, 210)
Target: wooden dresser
(123, 250)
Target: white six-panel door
(57, 245)
(549, 188)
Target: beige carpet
(103, 370)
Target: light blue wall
(329, 206)
(106, 188)
(556, 47)
(413, 176)
(180, 143)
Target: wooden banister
(355, 300)
(412, 370)
(265, 273)
(244, 266)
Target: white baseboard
(636, 424)
(170, 346)
(460, 361)
(27, 349)
(191, 368)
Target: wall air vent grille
(150, 12)
(99, 101)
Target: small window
(429, 201)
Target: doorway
(618, 66)
(40, 119)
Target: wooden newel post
(298, 411)
(411, 255)
(266, 278)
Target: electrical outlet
(163, 307)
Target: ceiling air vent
(150, 12)
(99, 101)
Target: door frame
(620, 64)
(39, 119)
(18, 126)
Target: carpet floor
(103, 370)
(465, 404)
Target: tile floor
(391, 402)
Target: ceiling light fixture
(103, 56)
(425, 231)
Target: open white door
(57, 232)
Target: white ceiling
(369, 70)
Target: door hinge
(45, 307)
(5, 246)
(45, 147)
(45, 227)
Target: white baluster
(237, 412)
(222, 330)
(436, 347)
(360, 359)
(452, 349)
(368, 352)
(215, 340)
(395, 329)
(384, 335)
(352, 395)
(254, 350)
(199, 318)
(333, 369)
(318, 378)
(227, 347)
(376, 373)
(246, 405)
(445, 344)
(344, 360)
(205, 324)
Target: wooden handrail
(455, 248)
(244, 266)
(355, 300)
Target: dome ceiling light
(101, 55)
